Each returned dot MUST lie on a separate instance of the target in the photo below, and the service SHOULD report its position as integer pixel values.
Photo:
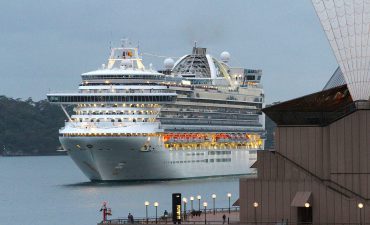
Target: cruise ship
(198, 117)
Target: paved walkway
(233, 217)
(217, 218)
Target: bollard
(228, 220)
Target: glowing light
(360, 205)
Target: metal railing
(169, 221)
(188, 217)
(159, 221)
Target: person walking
(130, 218)
(224, 219)
(165, 214)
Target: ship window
(251, 77)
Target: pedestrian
(224, 219)
(104, 210)
(165, 214)
(130, 218)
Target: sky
(46, 45)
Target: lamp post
(307, 205)
(214, 204)
(156, 211)
(229, 196)
(146, 203)
(199, 198)
(185, 201)
(255, 206)
(205, 212)
(191, 202)
(360, 206)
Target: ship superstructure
(198, 118)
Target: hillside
(28, 127)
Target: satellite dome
(126, 63)
(169, 63)
(225, 56)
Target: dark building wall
(350, 152)
(275, 197)
(305, 146)
(331, 162)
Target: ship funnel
(199, 51)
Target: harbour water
(52, 190)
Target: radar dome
(169, 63)
(225, 56)
(126, 63)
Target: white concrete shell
(347, 27)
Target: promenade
(211, 218)
(204, 218)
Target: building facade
(319, 171)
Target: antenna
(110, 41)
(124, 42)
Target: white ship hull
(199, 118)
(125, 159)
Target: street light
(214, 203)
(255, 205)
(229, 196)
(360, 206)
(205, 212)
(191, 201)
(185, 201)
(146, 203)
(156, 211)
(199, 198)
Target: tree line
(28, 127)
